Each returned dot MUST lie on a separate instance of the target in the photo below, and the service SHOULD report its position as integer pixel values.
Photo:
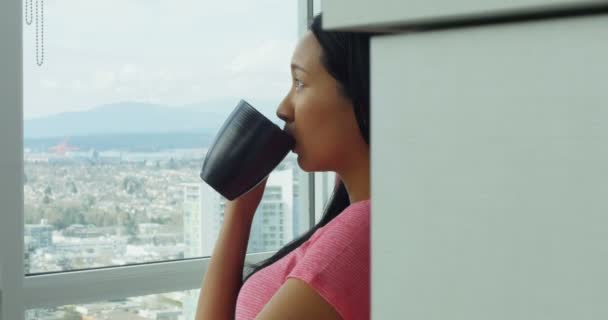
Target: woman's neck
(356, 178)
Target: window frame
(19, 292)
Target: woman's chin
(302, 164)
(307, 166)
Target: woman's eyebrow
(296, 66)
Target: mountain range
(136, 118)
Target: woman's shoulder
(348, 230)
(356, 216)
(337, 264)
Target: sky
(171, 52)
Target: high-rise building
(203, 215)
(272, 225)
(27, 254)
(273, 222)
(41, 235)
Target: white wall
(489, 166)
(356, 14)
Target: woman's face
(319, 117)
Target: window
(90, 67)
(163, 306)
(119, 117)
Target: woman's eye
(298, 83)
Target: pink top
(334, 262)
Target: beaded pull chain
(29, 18)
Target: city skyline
(80, 246)
(75, 194)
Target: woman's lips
(289, 131)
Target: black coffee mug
(245, 151)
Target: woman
(325, 273)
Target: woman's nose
(284, 111)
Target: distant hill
(134, 142)
(135, 118)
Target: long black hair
(345, 56)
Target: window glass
(121, 101)
(165, 306)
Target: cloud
(76, 85)
(162, 51)
(271, 56)
(128, 72)
(103, 79)
(48, 83)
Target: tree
(132, 185)
(129, 223)
(70, 314)
(160, 220)
(88, 201)
(172, 164)
(72, 187)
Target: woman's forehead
(307, 52)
